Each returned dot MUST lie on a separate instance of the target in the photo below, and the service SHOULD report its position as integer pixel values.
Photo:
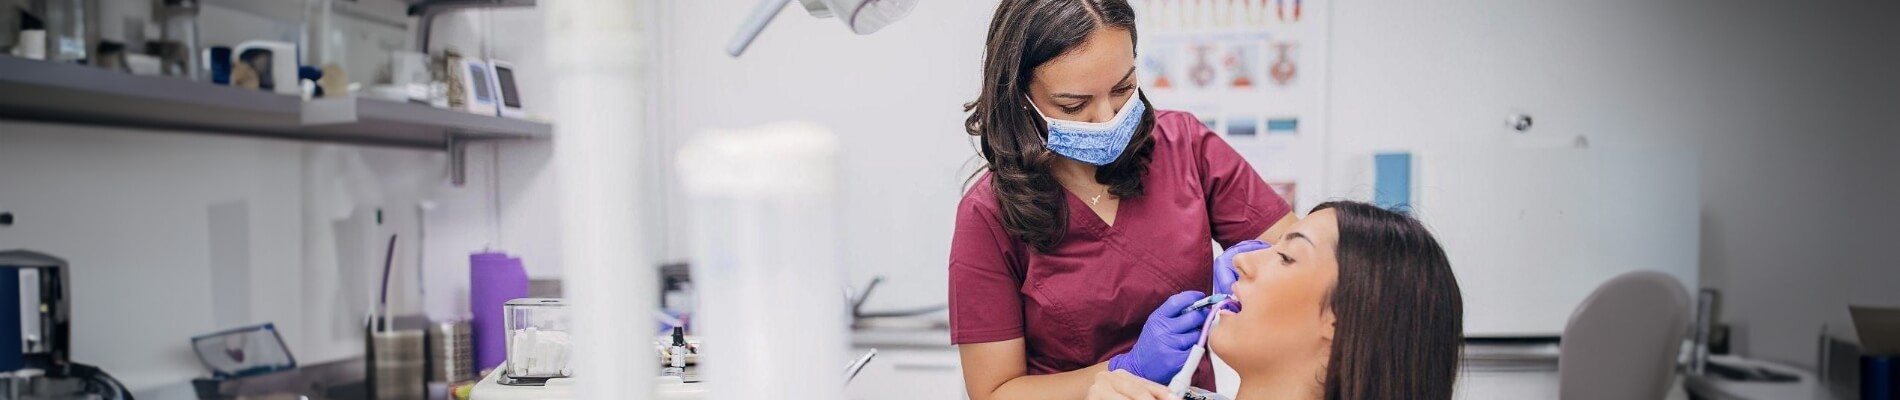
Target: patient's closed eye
(1284, 260)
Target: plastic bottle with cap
(677, 364)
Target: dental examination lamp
(863, 16)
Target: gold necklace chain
(1097, 199)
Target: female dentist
(1082, 243)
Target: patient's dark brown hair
(1399, 315)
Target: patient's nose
(1244, 263)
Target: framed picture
(478, 82)
(509, 94)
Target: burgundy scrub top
(1086, 300)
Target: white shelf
(32, 90)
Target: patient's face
(1281, 290)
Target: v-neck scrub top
(1086, 300)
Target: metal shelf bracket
(458, 158)
(457, 147)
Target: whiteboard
(1532, 231)
(1533, 221)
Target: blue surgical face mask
(1095, 143)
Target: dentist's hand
(1224, 275)
(1120, 385)
(1165, 339)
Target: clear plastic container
(178, 26)
(538, 342)
(72, 28)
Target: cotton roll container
(764, 231)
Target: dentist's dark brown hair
(1399, 316)
(1024, 34)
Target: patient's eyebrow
(1296, 235)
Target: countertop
(900, 338)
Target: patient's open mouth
(1232, 305)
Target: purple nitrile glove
(1165, 339)
(1224, 275)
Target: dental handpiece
(1209, 301)
(1179, 385)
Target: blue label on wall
(1392, 181)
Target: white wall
(135, 213)
(146, 219)
(1791, 226)
(1794, 228)
(1531, 221)
(1799, 186)
(894, 98)
(527, 225)
(129, 212)
(1787, 107)
(1399, 81)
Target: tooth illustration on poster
(1240, 65)
(1202, 72)
(1284, 64)
(1280, 11)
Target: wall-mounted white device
(506, 90)
(478, 83)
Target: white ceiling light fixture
(864, 17)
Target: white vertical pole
(764, 211)
(597, 52)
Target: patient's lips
(1232, 305)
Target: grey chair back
(1623, 341)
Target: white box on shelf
(478, 81)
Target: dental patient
(1355, 302)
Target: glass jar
(538, 342)
(72, 26)
(178, 30)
